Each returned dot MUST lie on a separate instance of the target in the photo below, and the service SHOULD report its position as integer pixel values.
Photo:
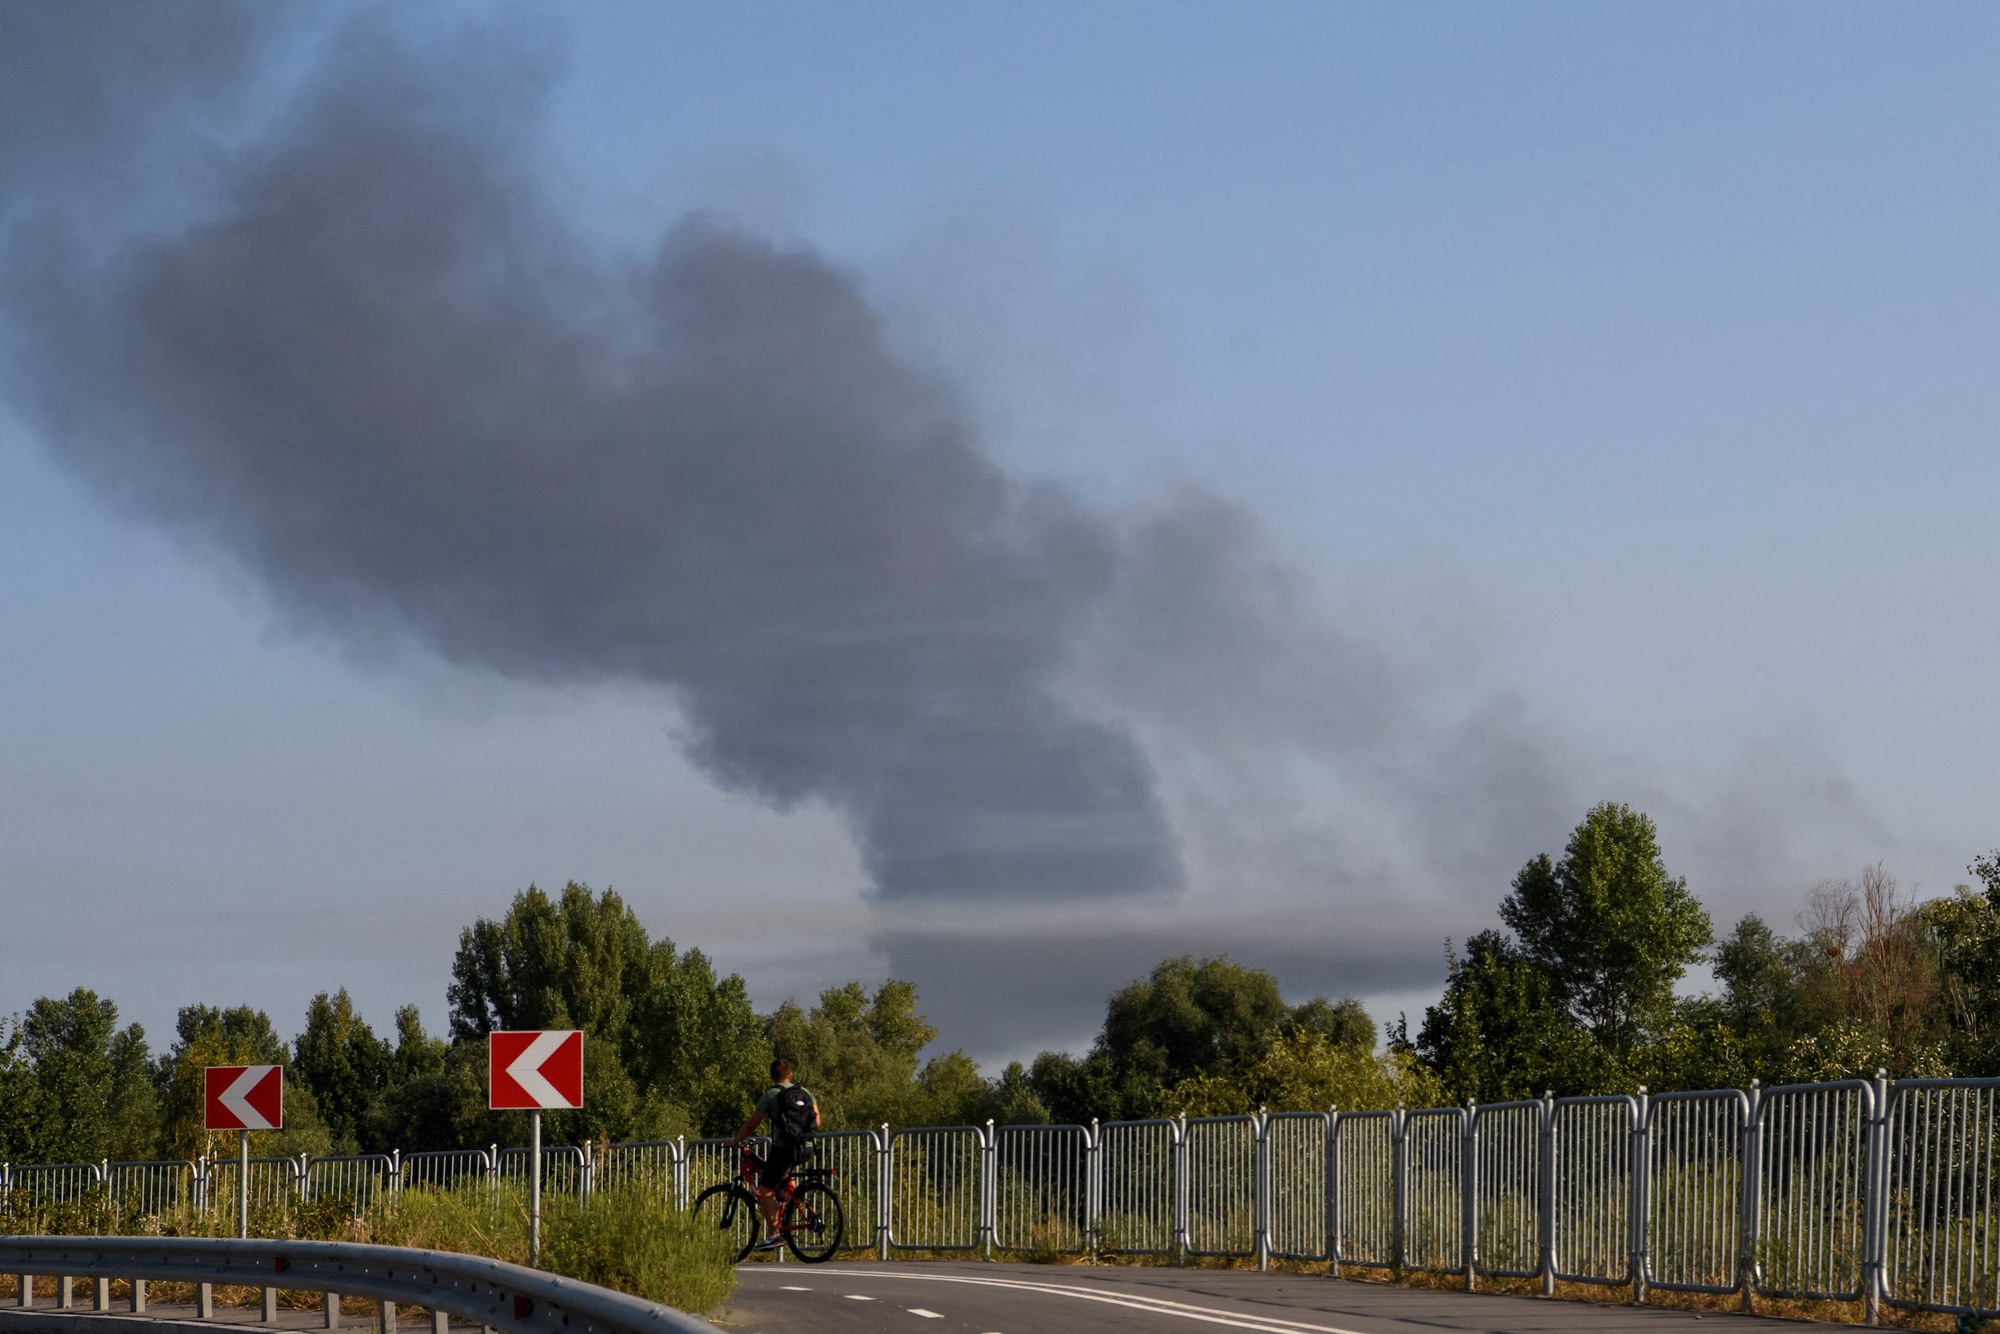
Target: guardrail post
(138, 1297)
(1875, 1201)
(1180, 1187)
(65, 1293)
(100, 1296)
(1399, 1191)
(204, 1301)
(1333, 1190)
(1260, 1188)
(1545, 1192)
(1642, 1191)
(331, 1308)
(385, 1321)
(1468, 1194)
(270, 1306)
(884, 1147)
(1750, 1219)
(26, 1295)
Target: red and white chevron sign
(527, 1070)
(243, 1097)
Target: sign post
(243, 1098)
(529, 1071)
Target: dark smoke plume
(372, 361)
(383, 373)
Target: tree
(859, 1054)
(1608, 927)
(669, 1047)
(1499, 1035)
(1963, 933)
(1189, 1018)
(90, 1096)
(1305, 1070)
(339, 1058)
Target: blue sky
(1626, 369)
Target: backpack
(794, 1117)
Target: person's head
(781, 1071)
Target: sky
(989, 495)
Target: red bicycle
(810, 1218)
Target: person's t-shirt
(768, 1103)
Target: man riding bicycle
(794, 1118)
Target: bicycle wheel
(731, 1210)
(814, 1222)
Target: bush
(631, 1238)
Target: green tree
(1963, 933)
(1303, 1070)
(1608, 927)
(1210, 1018)
(90, 1094)
(668, 1045)
(860, 1054)
(1499, 1035)
(17, 1095)
(345, 1066)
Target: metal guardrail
(1885, 1193)
(496, 1294)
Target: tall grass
(628, 1237)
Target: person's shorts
(778, 1164)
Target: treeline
(1581, 992)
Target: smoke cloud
(385, 375)
(378, 367)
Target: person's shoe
(769, 1244)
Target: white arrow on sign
(526, 1069)
(237, 1098)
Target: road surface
(850, 1297)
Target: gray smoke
(381, 371)
(384, 374)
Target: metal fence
(1886, 1193)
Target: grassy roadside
(626, 1237)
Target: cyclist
(794, 1118)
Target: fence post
(1093, 1188)
(1752, 1186)
(989, 1203)
(680, 1182)
(1399, 1194)
(884, 1148)
(1642, 1191)
(1875, 1201)
(589, 1175)
(1333, 1190)
(395, 1182)
(1545, 1192)
(1181, 1187)
(1260, 1188)
(1468, 1194)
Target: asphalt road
(1072, 1299)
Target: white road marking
(928, 1315)
(1136, 1302)
(857, 1297)
(792, 1287)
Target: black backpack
(794, 1117)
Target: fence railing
(1859, 1190)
